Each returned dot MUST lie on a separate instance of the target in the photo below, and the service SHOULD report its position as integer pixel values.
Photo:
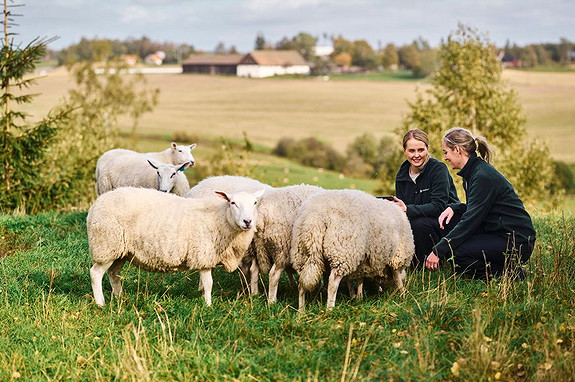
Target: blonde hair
(458, 136)
(417, 135)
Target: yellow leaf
(455, 369)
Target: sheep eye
(233, 203)
(172, 175)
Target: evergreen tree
(23, 145)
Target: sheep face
(166, 174)
(183, 154)
(242, 211)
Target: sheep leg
(332, 286)
(360, 289)
(350, 288)
(398, 277)
(291, 278)
(96, 274)
(207, 282)
(274, 279)
(301, 307)
(254, 277)
(114, 276)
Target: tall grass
(445, 328)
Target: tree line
(418, 56)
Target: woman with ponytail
(495, 234)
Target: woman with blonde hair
(495, 234)
(423, 189)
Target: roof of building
(274, 58)
(214, 59)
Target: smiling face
(416, 153)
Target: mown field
(335, 111)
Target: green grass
(446, 328)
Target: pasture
(446, 327)
(334, 111)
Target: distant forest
(358, 55)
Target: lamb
(354, 235)
(166, 233)
(125, 168)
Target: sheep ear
(222, 195)
(152, 164)
(258, 194)
(174, 145)
(193, 146)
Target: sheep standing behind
(125, 168)
(137, 171)
(166, 233)
(352, 233)
(273, 237)
(233, 183)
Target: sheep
(233, 183)
(166, 233)
(176, 154)
(354, 235)
(125, 168)
(272, 240)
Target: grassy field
(335, 111)
(446, 328)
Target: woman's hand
(400, 203)
(432, 262)
(445, 217)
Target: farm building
(267, 63)
(212, 63)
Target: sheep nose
(248, 223)
(192, 163)
(163, 190)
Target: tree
(341, 45)
(260, 42)
(390, 58)
(342, 59)
(304, 43)
(364, 55)
(467, 91)
(409, 57)
(23, 145)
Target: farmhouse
(212, 63)
(267, 63)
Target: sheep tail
(313, 265)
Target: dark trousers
(427, 233)
(486, 255)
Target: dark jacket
(432, 191)
(492, 207)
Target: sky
(206, 23)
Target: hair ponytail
(458, 136)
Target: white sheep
(354, 235)
(127, 168)
(165, 233)
(233, 183)
(272, 240)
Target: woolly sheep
(233, 183)
(165, 233)
(352, 233)
(272, 241)
(126, 168)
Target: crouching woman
(423, 189)
(495, 233)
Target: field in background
(334, 111)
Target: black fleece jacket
(492, 207)
(432, 191)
